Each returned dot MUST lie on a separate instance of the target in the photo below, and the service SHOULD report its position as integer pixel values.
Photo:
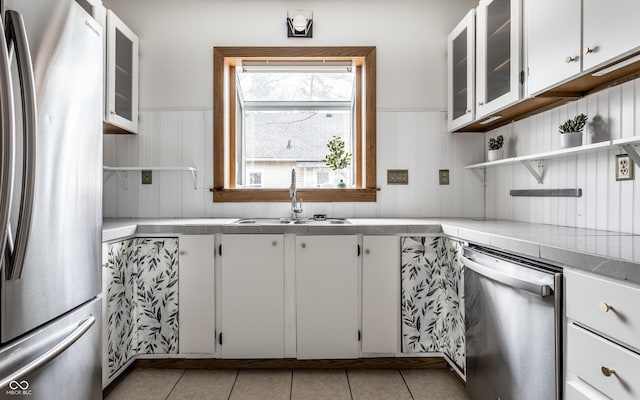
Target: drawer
(587, 298)
(587, 356)
(577, 390)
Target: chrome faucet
(296, 207)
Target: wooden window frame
(225, 60)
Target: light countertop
(612, 254)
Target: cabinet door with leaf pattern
(432, 298)
(157, 295)
(120, 305)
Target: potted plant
(495, 148)
(571, 131)
(338, 158)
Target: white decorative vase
(493, 155)
(570, 139)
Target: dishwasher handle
(536, 288)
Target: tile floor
(286, 384)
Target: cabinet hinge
(220, 338)
(359, 335)
(220, 250)
(358, 250)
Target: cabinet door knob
(588, 50)
(604, 307)
(105, 265)
(570, 59)
(274, 243)
(112, 112)
(481, 103)
(182, 252)
(303, 245)
(468, 111)
(607, 371)
(367, 251)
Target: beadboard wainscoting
(605, 204)
(413, 140)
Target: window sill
(282, 195)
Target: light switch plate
(624, 167)
(397, 176)
(443, 176)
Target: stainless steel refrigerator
(51, 94)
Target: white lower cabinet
(252, 285)
(602, 353)
(105, 288)
(197, 294)
(380, 294)
(327, 296)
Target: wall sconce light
(300, 23)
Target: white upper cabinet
(121, 91)
(461, 72)
(553, 42)
(611, 30)
(499, 55)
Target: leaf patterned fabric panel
(121, 337)
(142, 299)
(432, 297)
(157, 296)
(454, 345)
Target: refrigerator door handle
(7, 133)
(541, 290)
(50, 354)
(17, 33)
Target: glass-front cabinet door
(499, 55)
(461, 68)
(121, 105)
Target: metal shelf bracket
(539, 174)
(481, 174)
(632, 152)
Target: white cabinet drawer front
(576, 390)
(588, 355)
(604, 305)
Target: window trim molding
(224, 61)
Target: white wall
(416, 141)
(176, 51)
(177, 40)
(606, 204)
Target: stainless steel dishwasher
(513, 326)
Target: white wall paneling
(411, 140)
(606, 204)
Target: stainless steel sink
(287, 221)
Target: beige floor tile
(202, 384)
(262, 385)
(326, 384)
(146, 384)
(434, 384)
(385, 384)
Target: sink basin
(288, 221)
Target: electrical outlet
(147, 177)
(624, 167)
(397, 176)
(443, 176)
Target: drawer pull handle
(303, 245)
(274, 243)
(604, 307)
(607, 371)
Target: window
(275, 113)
